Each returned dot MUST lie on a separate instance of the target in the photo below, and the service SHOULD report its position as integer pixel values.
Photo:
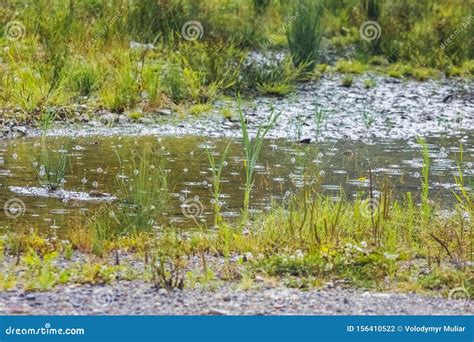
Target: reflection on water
(341, 166)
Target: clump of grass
(52, 165)
(252, 148)
(144, 194)
(200, 108)
(168, 261)
(305, 33)
(278, 77)
(369, 83)
(122, 89)
(52, 168)
(84, 80)
(351, 66)
(347, 81)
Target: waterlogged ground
(361, 129)
(97, 164)
(393, 108)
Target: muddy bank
(393, 108)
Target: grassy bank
(140, 56)
(394, 246)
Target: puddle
(341, 166)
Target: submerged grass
(217, 167)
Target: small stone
(97, 193)
(109, 118)
(83, 118)
(165, 111)
(217, 312)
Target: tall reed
(252, 148)
(305, 33)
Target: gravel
(140, 298)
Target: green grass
(217, 166)
(79, 51)
(144, 193)
(305, 33)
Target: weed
(425, 172)
(216, 169)
(347, 81)
(321, 116)
(369, 83)
(367, 118)
(168, 262)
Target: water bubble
(135, 172)
(204, 183)
(196, 198)
(35, 164)
(84, 180)
(185, 170)
(95, 184)
(182, 198)
(416, 175)
(292, 160)
(225, 163)
(320, 155)
(99, 170)
(15, 156)
(212, 201)
(322, 172)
